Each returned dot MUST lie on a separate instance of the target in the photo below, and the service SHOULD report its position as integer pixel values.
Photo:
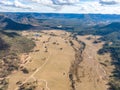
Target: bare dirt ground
(93, 75)
(50, 61)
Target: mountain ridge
(9, 24)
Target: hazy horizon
(62, 6)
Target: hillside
(95, 17)
(12, 44)
(8, 24)
(69, 22)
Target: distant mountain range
(8, 24)
(75, 22)
(94, 17)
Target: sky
(61, 6)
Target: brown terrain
(62, 61)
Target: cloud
(15, 3)
(55, 2)
(6, 2)
(62, 6)
(65, 2)
(44, 2)
(91, 7)
(109, 2)
(21, 5)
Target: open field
(95, 75)
(48, 64)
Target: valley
(59, 45)
(62, 61)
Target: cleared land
(95, 69)
(48, 64)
